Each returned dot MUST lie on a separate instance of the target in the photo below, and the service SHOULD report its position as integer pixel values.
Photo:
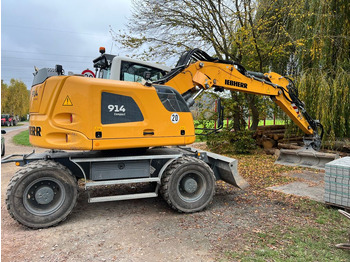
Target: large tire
(188, 185)
(41, 194)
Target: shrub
(240, 142)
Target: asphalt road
(20, 125)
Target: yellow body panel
(68, 112)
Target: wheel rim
(44, 196)
(191, 186)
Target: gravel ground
(137, 230)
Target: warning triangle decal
(67, 102)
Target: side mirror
(3, 132)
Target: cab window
(105, 73)
(171, 99)
(134, 72)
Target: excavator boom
(216, 75)
(208, 72)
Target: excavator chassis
(184, 176)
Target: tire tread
(164, 189)
(23, 172)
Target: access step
(120, 182)
(122, 197)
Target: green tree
(15, 99)
(4, 96)
(308, 39)
(324, 26)
(324, 62)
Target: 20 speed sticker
(175, 118)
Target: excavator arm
(208, 72)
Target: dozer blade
(305, 157)
(225, 168)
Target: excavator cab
(109, 66)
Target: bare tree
(228, 29)
(168, 27)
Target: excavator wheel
(41, 194)
(188, 185)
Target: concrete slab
(301, 189)
(311, 185)
(312, 176)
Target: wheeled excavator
(114, 131)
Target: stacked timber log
(342, 146)
(273, 136)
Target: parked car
(8, 120)
(3, 143)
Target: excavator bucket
(305, 157)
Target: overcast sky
(44, 33)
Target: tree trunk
(236, 113)
(252, 99)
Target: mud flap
(305, 157)
(225, 168)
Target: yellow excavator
(121, 130)
(71, 112)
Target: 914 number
(116, 108)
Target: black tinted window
(171, 99)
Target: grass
(200, 134)
(269, 122)
(211, 123)
(304, 240)
(22, 139)
(305, 230)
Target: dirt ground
(137, 230)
